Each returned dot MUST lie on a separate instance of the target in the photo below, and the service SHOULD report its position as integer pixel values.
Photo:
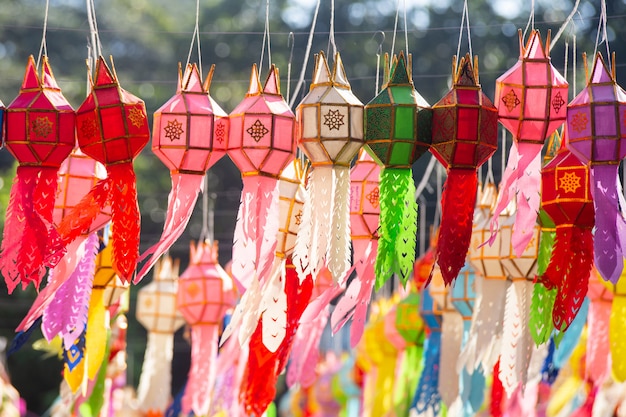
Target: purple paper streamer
(66, 315)
(609, 219)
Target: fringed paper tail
(125, 220)
(598, 343)
(451, 341)
(320, 202)
(457, 204)
(339, 243)
(497, 394)
(546, 245)
(607, 249)
(617, 330)
(96, 334)
(398, 225)
(540, 320)
(274, 307)
(66, 315)
(153, 392)
(201, 379)
(575, 276)
(180, 205)
(427, 396)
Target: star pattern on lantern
(569, 182)
(89, 128)
(220, 132)
(173, 130)
(298, 218)
(510, 100)
(333, 119)
(136, 116)
(374, 197)
(557, 102)
(257, 130)
(42, 127)
(579, 122)
(192, 289)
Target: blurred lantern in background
(397, 132)
(617, 329)
(598, 326)
(596, 129)
(330, 133)
(112, 128)
(40, 134)
(261, 144)
(158, 313)
(190, 134)
(465, 135)
(531, 99)
(205, 293)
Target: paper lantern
(112, 128)
(531, 99)
(465, 135)
(596, 135)
(40, 134)
(617, 326)
(463, 292)
(190, 134)
(566, 198)
(364, 214)
(598, 355)
(397, 133)
(330, 133)
(158, 313)
(205, 293)
(261, 143)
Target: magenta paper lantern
(330, 133)
(39, 131)
(190, 134)
(531, 98)
(596, 129)
(205, 293)
(261, 143)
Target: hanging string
(574, 65)
(331, 34)
(437, 220)
(503, 156)
(464, 21)
(306, 55)
(489, 177)
(422, 219)
(531, 18)
(379, 52)
(95, 50)
(566, 58)
(395, 31)
(207, 233)
(44, 47)
(406, 30)
(564, 25)
(605, 38)
(195, 37)
(266, 37)
(290, 43)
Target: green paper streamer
(543, 299)
(398, 226)
(406, 384)
(92, 406)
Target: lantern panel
(404, 123)
(107, 96)
(534, 106)
(602, 93)
(334, 121)
(536, 74)
(356, 123)
(408, 321)
(378, 124)
(469, 97)
(197, 137)
(604, 124)
(401, 95)
(309, 122)
(467, 127)
(429, 312)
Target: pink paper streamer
(66, 315)
(181, 202)
(598, 346)
(202, 373)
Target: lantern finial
(209, 79)
(255, 83)
(340, 79)
(321, 74)
(31, 79)
(191, 80)
(104, 76)
(47, 77)
(272, 83)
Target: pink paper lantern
(190, 134)
(261, 142)
(40, 134)
(596, 129)
(531, 98)
(205, 293)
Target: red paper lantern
(190, 134)
(566, 198)
(40, 134)
(112, 128)
(465, 135)
(596, 128)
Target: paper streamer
(451, 342)
(427, 398)
(202, 375)
(153, 392)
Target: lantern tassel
(522, 176)
(497, 394)
(617, 325)
(451, 341)
(427, 395)
(246, 315)
(516, 348)
(180, 204)
(457, 204)
(339, 244)
(202, 373)
(540, 319)
(153, 392)
(598, 343)
(398, 225)
(607, 248)
(575, 277)
(66, 315)
(274, 307)
(97, 333)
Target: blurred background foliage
(148, 38)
